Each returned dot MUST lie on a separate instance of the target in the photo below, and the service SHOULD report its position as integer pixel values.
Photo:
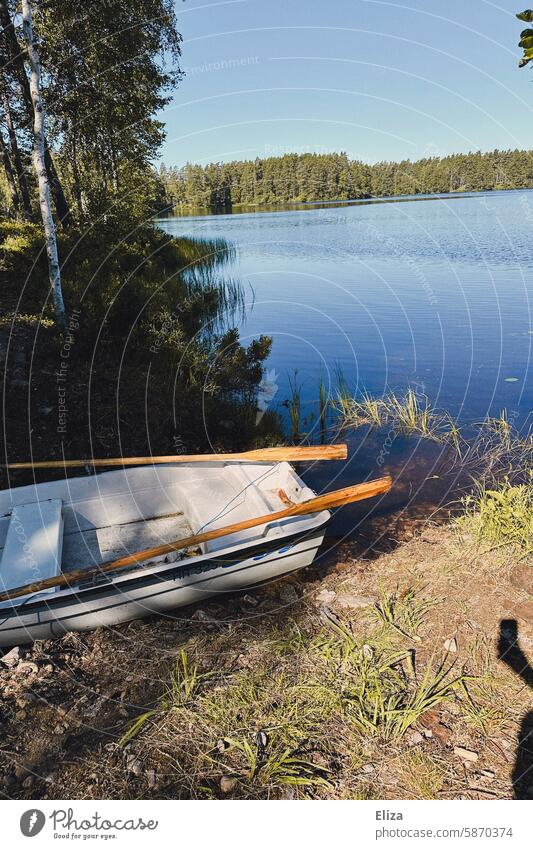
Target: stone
(11, 658)
(325, 596)
(27, 666)
(288, 594)
(465, 754)
(201, 616)
(134, 765)
(369, 768)
(151, 778)
(367, 652)
(350, 600)
(249, 599)
(432, 727)
(21, 715)
(227, 783)
(522, 577)
(488, 774)
(414, 737)
(450, 645)
(28, 782)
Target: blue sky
(380, 80)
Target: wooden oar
(314, 505)
(290, 453)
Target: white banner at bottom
(279, 824)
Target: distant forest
(333, 176)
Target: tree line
(308, 177)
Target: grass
(323, 403)
(410, 414)
(501, 516)
(291, 720)
(492, 451)
(403, 611)
(295, 406)
(420, 775)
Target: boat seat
(32, 550)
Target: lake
(431, 293)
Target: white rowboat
(50, 529)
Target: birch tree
(39, 165)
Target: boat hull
(161, 591)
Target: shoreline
(300, 206)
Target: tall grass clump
(501, 516)
(323, 402)
(411, 413)
(295, 406)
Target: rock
(369, 768)
(151, 778)
(488, 774)
(433, 727)
(221, 745)
(465, 754)
(27, 666)
(288, 793)
(349, 600)
(450, 645)
(227, 784)
(134, 765)
(21, 715)
(288, 594)
(28, 782)
(367, 652)
(201, 616)
(522, 577)
(414, 737)
(262, 740)
(11, 658)
(249, 599)
(325, 596)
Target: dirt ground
(259, 696)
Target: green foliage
(312, 177)
(295, 406)
(377, 685)
(526, 38)
(405, 612)
(155, 340)
(103, 94)
(501, 516)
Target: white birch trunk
(39, 165)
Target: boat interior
(81, 522)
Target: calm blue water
(435, 294)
